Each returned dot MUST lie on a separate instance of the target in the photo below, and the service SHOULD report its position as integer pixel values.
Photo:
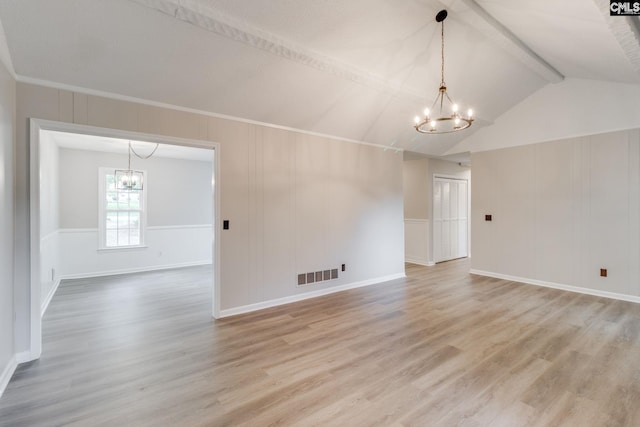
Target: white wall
(296, 202)
(7, 117)
(561, 211)
(415, 179)
(178, 190)
(179, 213)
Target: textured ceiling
(358, 69)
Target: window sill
(123, 248)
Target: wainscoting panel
(165, 247)
(416, 241)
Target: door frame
(433, 212)
(36, 126)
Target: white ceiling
(357, 69)
(121, 146)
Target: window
(122, 213)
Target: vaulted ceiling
(357, 69)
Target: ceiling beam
(498, 33)
(207, 18)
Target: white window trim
(102, 230)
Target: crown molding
(209, 19)
(110, 95)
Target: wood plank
(441, 347)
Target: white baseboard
(570, 288)
(308, 295)
(50, 295)
(419, 262)
(7, 373)
(133, 270)
(24, 357)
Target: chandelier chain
(442, 38)
(143, 157)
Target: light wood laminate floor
(440, 347)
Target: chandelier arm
(447, 95)
(435, 101)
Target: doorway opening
(86, 223)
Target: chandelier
(444, 115)
(129, 179)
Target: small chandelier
(129, 179)
(437, 120)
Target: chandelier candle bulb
(439, 121)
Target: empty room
(319, 213)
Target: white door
(450, 221)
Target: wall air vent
(317, 276)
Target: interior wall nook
(418, 180)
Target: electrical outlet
(344, 267)
(603, 272)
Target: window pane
(134, 200)
(123, 210)
(112, 198)
(123, 237)
(123, 220)
(111, 238)
(134, 220)
(110, 182)
(123, 200)
(111, 220)
(134, 236)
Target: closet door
(450, 218)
